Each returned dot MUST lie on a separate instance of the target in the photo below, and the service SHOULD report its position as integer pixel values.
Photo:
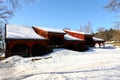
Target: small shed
(23, 41)
(87, 37)
(55, 36)
(99, 41)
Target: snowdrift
(62, 64)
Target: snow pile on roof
(95, 64)
(21, 32)
(52, 30)
(97, 39)
(68, 37)
(78, 32)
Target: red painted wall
(58, 35)
(77, 35)
(29, 43)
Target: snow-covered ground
(62, 64)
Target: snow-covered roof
(68, 37)
(51, 30)
(77, 32)
(97, 39)
(21, 32)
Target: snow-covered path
(95, 64)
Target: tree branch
(113, 5)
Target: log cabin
(28, 41)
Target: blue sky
(65, 13)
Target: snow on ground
(62, 64)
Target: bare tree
(113, 5)
(81, 28)
(86, 28)
(8, 7)
(67, 28)
(101, 33)
(100, 29)
(117, 25)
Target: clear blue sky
(65, 13)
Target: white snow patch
(97, 39)
(95, 64)
(68, 37)
(51, 29)
(2, 54)
(21, 32)
(78, 32)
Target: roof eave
(23, 39)
(56, 32)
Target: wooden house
(23, 41)
(87, 37)
(36, 41)
(55, 36)
(58, 38)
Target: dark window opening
(89, 41)
(20, 49)
(38, 50)
(70, 46)
(56, 41)
(81, 47)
